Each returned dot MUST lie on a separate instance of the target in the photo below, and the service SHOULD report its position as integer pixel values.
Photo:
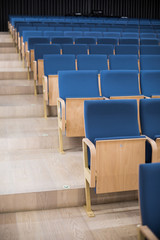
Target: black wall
(114, 8)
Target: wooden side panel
(53, 90)
(158, 148)
(75, 116)
(32, 58)
(117, 164)
(45, 89)
(40, 71)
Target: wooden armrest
(147, 233)
(28, 58)
(154, 149)
(35, 70)
(61, 105)
(90, 145)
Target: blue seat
(112, 34)
(126, 49)
(150, 82)
(62, 40)
(27, 34)
(85, 40)
(149, 196)
(75, 49)
(150, 117)
(105, 49)
(53, 33)
(110, 125)
(73, 33)
(108, 40)
(92, 62)
(32, 41)
(123, 62)
(43, 49)
(149, 41)
(119, 83)
(150, 62)
(93, 34)
(149, 50)
(130, 35)
(147, 35)
(55, 63)
(130, 41)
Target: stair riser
(16, 90)
(10, 64)
(6, 44)
(13, 75)
(38, 142)
(10, 57)
(7, 50)
(58, 199)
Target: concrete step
(6, 44)
(9, 56)
(16, 87)
(13, 73)
(45, 179)
(7, 50)
(21, 106)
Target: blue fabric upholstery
(147, 35)
(106, 49)
(55, 63)
(123, 62)
(85, 40)
(93, 34)
(149, 41)
(78, 84)
(62, 40)
(126, 49)
(150, 117)
(32, 41)
(130, 41)
(130, 35)
(74, 49)
(53, 33)
(92, 62)
(43, 49)
(111, 34)
(27, 34)
(150, 62)
(113, 118)
(149, 193)
(119, 83)
(26, 28)
(73, 33)
(150, 50)
(108, 40)
(150, 82)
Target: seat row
(113, 146)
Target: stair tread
(20, 100)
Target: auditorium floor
(112, 221)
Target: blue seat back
(78, 84)
(126, 49)
(27, 34)
(85, 40)
(113, 118)
(53, 33)
(106, 49)
(36, 40)
(119, 83)
(92, 62)
(123, 62)
(62, 40)
(93, 34)
(149, 195)
(147, 35)
(149, 41)
(150, 82)
(55, 63)
(149, 50)
(150, 62)
(111, 34)
(75, 49)
(26, 28)
(130, 41)
(108, 40)
(130, 35)
(43, 49)
(73, 33)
